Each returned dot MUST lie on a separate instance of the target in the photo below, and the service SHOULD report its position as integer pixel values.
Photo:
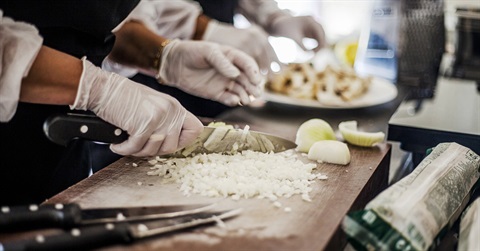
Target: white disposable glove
(211, 71)
(156, 123)
(297, 28)
(252, 40)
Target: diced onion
(244, 174)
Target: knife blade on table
(66, 216)
(116, 233)
(63, 128)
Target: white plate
(380, 91)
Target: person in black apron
(28, 159)
(32, 168)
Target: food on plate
(329, 86)
(349, 131)
(311, 131)
(330, 151)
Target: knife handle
(62, 128)
(19, 218)
(76, 239)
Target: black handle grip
(76, 239)
(20, 218)
(65, 127)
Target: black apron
(220, 10)
(32, 168)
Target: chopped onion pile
(246, 174)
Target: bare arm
(52, 79)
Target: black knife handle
(76, 239)
(20, 218)
(62, 128)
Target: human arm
(204, 69)
(277, 22)
(156, 123)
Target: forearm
(52, 79)
(136, 46)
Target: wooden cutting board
(261, 226)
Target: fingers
(255, 90)
(161, 144)
(222, 64)
(245, 64)
(192, 127)
(130, 146)
(316, 32)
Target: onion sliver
(349, 131)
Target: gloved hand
(252, 40)
(157, 123)
(298, 28)
(211, 71)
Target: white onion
(245, 174)
(330, 151)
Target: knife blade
(116, 233)
(63, 128)
(230, 140)
(71, 215)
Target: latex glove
(252, 40)
(211, 71)
(298, 28)
(156, 123)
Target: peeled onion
(311, 131)
(349, 131)
(330, 151)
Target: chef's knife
(230, 140)
(72, 215)
(115, 233)
(63, 128)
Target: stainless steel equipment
(421, 46)
(466, 63)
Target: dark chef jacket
(31, 167)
